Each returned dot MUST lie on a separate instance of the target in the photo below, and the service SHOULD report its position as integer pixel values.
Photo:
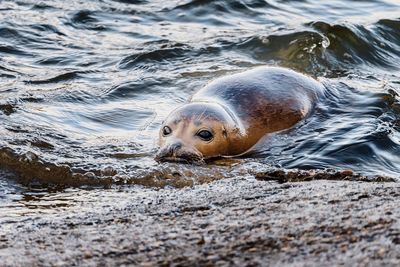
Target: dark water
(85, 85)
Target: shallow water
(85, 85)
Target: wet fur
(256, 102)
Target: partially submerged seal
(231, 114)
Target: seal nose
(170, 150)
(177, 152)
(174, 148)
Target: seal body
(231, 114)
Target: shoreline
(231, 222)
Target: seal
(231, 114)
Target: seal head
(197, 131)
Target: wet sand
(231, 222)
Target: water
(85, 85)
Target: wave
(85, 85)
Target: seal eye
(205, 135)
(166, 131)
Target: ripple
(85, 19)
(131, 2)
(303, 50)
(142, 89)
(9, 33)
(355, 44)
(247, 7)
(157, 56)
(59, 78)
(12, 50)
(85, 85)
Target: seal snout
(175, 147)
(177, 152)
